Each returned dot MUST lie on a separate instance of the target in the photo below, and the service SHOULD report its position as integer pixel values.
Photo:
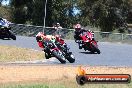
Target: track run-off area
(112, 54)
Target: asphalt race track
(111, 54)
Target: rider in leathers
(78, 32)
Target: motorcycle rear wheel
(59, 57)
(12, 35)
(70, 58)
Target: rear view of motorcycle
(87, 42)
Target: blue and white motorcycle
(5, 30)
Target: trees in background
(106, 14)
(18, 8)
(2, 1)
(32, 11)
(5, 11)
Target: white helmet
(58, 24)
(77, 26)
(40, 34)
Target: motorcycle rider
(58, 34)
(78, 31)
(41, 39)
(57, 28)
(3, 22)
(5, 29)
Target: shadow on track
(88, 52)
(5, 39)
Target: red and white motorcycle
(88, 42)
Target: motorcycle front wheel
(47, 55)
(96, 49)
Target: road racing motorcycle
(54, 48)
(5, 31)
(65, 49)
(88, 42)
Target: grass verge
(11, 53)
(63, 84)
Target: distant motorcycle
(88, 43)
(5, 31)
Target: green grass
(64, 84)
(33, 86)
(11, 53)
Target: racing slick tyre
(59, 56)
(70, 57)
(12, 35)
(97, 50)
(80, 47)
(47, 56)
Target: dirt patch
(33, 73)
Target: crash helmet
(40, 36)
(90, 31)
(57, 24)
(77, 27)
